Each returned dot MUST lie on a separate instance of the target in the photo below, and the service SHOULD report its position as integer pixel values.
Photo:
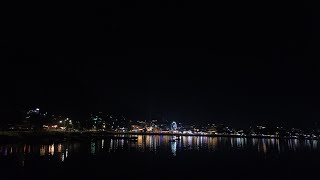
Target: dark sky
(238, 64)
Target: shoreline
(7, 136)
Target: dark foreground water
(155, 157)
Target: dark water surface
(155, 157)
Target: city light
(34, 120)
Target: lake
(157, 157)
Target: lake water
(156, 157)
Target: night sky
(238, 64)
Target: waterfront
(150, 155)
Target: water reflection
(42, 150)
(155, 144)
(93, 147)
(174, 148)
(196, 143)
(51, 149)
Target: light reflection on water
(157, 144)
